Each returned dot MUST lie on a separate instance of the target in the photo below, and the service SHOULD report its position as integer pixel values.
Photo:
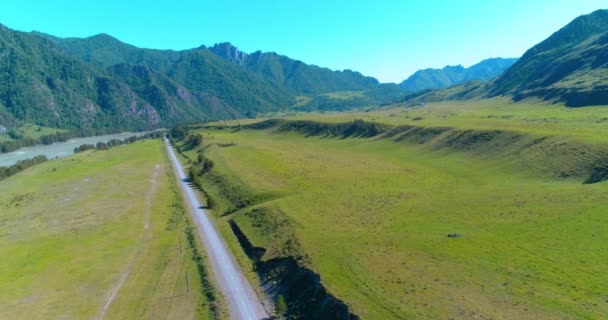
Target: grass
(533, 117)
(373, 215)
(71, 228)
(589, 123)
(35, 132)
(31, 131)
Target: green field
(589, 123)
(78, 230)
(30, 131)
(372, 215)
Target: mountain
(571, 67)
(100, 81)
(228, 82)
(296, 75)
(41, 84)
(453, 75)
(285, 76)
(316, 88)
(105, 51)
(171, 100)
(200, 71)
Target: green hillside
(294, 74)
(568, 67)
(102, 82)
(216, 87)
(325, 90)
(453, 75)
(368, 206)
(40, 84)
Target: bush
(84, 147)
(101, 146)
(194, 140)
(178, 133)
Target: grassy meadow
(535, 117)
(97, 236)
(372, 215)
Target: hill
(453, 75)
(40, 84)
(380, 206)
(568, 67)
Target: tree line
(117, 142)
(21, 165)
(22, 141)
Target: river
(59, 149)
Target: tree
(195, 140)
(84, 147)
(207, 165)
(178, 133)
(102, 146)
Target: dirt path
(114, 291)
(242, 299)
(150, 195)
(125, 274)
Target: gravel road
(241, 298)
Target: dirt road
(242, 299)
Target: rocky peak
(229, 52)
(457, 68)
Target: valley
(162, 178)
(371, 213)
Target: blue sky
(387, 39)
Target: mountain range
(570, 67)
(101, 82)
(453, 75)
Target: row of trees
(21, 165)
(117, 142)
(10, 146)
(198, 167)
(24, 164)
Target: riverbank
(59, 149)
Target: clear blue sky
(386, 39)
